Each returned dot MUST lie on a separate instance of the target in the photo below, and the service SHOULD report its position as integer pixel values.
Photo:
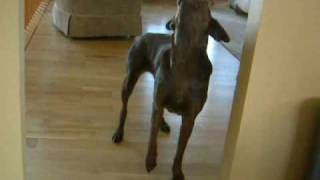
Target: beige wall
(11, 50)
(274, 83)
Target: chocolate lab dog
(181, 69)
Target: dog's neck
(186, 49)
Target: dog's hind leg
(136, 66)
(127, 88)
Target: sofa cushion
(100, 7)
(97, 18)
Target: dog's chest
(176, 102)
(187, 86)
(184, 94)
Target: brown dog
(181, 68)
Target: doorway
(73, 102)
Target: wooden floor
(73, 102)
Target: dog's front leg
(156, 120)
(185, 133)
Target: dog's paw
(117, 138)
(178, 176)
(165, 127)
(151, 163)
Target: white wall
(11, 89)
(275, 81)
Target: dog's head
(193, 21)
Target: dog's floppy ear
(217, 31)
(170, 24)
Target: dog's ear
(217, 31)
(170, 24)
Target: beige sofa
(97, 18)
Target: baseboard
(35, 20)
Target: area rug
(234, 24)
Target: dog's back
(146, 48)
